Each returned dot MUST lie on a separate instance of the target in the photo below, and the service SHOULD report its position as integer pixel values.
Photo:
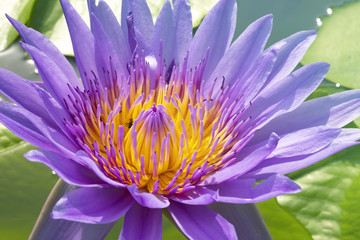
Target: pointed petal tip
(323, 65)
(273, 140)
(8, 17)
(290, 186)
(267, 18)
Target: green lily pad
(324, 204)
(7, 139)
(281, 222)
(24, 188)
(19, 9)
(289, 16)
(350, 216)
(327, 88)
(338, 44)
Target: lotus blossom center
(164, 136)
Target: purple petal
(124, 14)
(183, 22)
(200, 222)
(215, 33)
(288, 94)
(83, 159)
(305, 141)
(164, 34)
(57, 229)
(242, 190)
(246, 219)
(147, 199)
(333, 111)
(17, 122)
(40, 42)
(112, 29)
(25, 124)
(290, 53)
(243, 52)
(143, 22)
(93, 205)
(68, 170)
(54, 79)
(345, 139)
(82, 41)
(254, 79)
(53, 135)
(23, 93)
(57, 113)
(105, 55)
(246, 160)
(197, 196)
(142, 223)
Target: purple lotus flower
(162, 119)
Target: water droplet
(318, 22)
(337, 85)
(36, 71)
(30, 61)
(329, 11)
(53, 172)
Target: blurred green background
(327, 208)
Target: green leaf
(327, 88)
(326, 194)
(23, 190)
(199, 9)
(338, 44)
(18, 9)
(7, 139)
(350, 216)
(47, 17)
(289, 16)
(280, 222)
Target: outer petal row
(93, 205)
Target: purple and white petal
(163, 38)
(242, 53)
(39, 41)
(288, 94)
(106, 58)
(18, 123)
(196, 196)
(247, 159)
(183, 28)
(200, 222)
(23, 93)
(246, 219)
(333, 111)
(290, 52)
(147, 199)
(82, 41)
(346, 138)
(113, 30)
(55, 80)
(242, 191)
(83, 159)
(214, 35)
(68, 170)
(93, 205)
(305, 141)
(143, 22)
(142, 223)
